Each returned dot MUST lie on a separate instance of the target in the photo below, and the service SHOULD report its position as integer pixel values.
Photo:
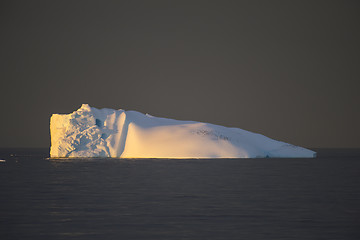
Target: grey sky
(286, 69)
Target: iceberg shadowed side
(91, 132)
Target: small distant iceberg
(90, 132)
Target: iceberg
(107, 133)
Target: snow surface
(92, 132)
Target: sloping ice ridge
(92, 132)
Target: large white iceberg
(91, 132)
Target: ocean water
(180, 199)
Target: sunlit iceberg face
(91, 132)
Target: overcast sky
(285, 69)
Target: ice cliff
(92, 132)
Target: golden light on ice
(91, 132)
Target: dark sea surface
(180, 199)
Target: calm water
(180, 199)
